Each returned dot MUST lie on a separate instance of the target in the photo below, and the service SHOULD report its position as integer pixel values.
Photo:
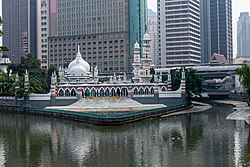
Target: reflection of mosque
(80, 80)
(189, 140)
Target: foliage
(152, 72)
(39, 79)
(244, 73)
(7, 84)
(193, 81)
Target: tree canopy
(39, 79)
(193, 81)
(244, 73)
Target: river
(199, 139)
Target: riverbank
(113, 112)
(241, 110)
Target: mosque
(78, 81)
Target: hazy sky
(238, 6)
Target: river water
(199, 139)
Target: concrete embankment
(100, 112)
(241, 110)
(108, 119)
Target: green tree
(193, 81)
(152, 72)
(38, 77)
(244, 73)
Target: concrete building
(179, 32)
(205, 31)
(153, 33)
(43, 28)
(19, 27)
(221, 28)
(243, 35)
(105, 31)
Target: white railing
(7, 97)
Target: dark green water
(202, 139)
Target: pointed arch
(152, 90)
(136, 91)
(93, 92)
(67, 92)
(87, 92)
(107, 92)
(164, 89)
(118, 92)
(146, 90)
(61, 92)
(141, 91)
(102, 93)
(73, 92)
(124, 92)
(113, 93)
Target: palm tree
(244, 73)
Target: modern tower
(179, 32)
(221, 28)
(106, 31)
(43, 29)
(243, 35)
(205, 31)
(153, 33)
(19, 26)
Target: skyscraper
(19, 26)
(243, 35)
(221, 28)
(153, 33)
(106, 31)
(179, 32)
(43, 29)
(205, 31)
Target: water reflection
(204, 139)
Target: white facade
(43, 31)
(142, 64)
(179, 32)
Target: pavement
(107, 105)
(197, 107)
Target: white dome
(136, 45)
(146, 36)
(81, 61)
(78, 70)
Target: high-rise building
(153, 33)
(105, 30)
(43, 29)
(19, 26)
(221, 28)
(205, 31)
(243, 35)
(179, 32)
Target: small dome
(78, 70)
(136, 45)
(146, 36)
(81, 61)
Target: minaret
(136, 63)
(53, 84)
(26, 82)
(146, 59)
